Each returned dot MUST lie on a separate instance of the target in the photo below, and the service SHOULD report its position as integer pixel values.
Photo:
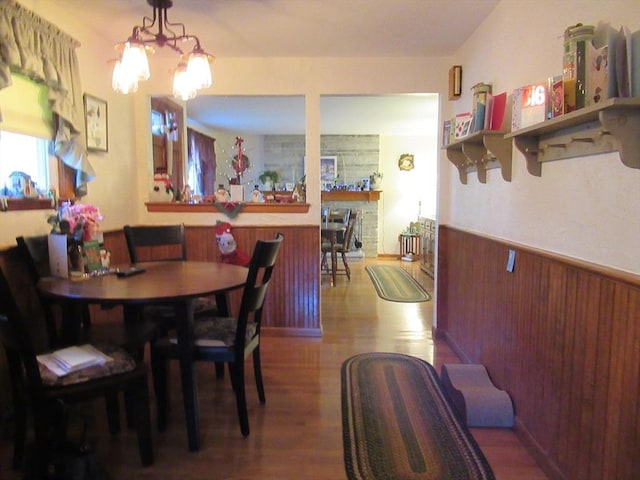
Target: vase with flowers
(78, 221)
(375, 181)
(72, 226)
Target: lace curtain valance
(31, 46)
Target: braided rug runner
(396, 284)
(398, 424)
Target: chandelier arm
(153, 20)
(169, 24)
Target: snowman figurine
(162, 190)
(256, 195)
(222, 196)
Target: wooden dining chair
(341, 216)
(147, 243)
(37, 390)
(34, 251)
(342, 248)
(226, 339)
(156, 242)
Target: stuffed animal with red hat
(229, 251)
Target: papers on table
(71, 359)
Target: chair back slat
(156, 242)
(254, 293)
(348, 234)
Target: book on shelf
(446, 132)
(488, 113)
(500, 112)
(529, 106)
(71, 359)
(601, 81)
(555, 96)
(463, 123)
(628, 63)
(479, 117)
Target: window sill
(209, 208)
(17, 204)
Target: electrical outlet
(511, 261)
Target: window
(28, 155)
(25, 146)
(201, 163)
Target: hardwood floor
(298, 433)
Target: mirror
(259, 140)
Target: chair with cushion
(36, 389)
(35, 254)
(342, 248)
(227, 340)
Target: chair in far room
(342, 247)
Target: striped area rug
(396, 284)
(398, 424)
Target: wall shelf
(348, 196)
(176, 207)
(479, 152)
(613, 125)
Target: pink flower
(84, 220)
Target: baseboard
(535, 450)
(355, 255)
(290, 332)
(455, 347)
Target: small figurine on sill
(256, 195)
(186, 196)
(229, 252)
(222, 196)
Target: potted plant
(269, 178)
(375, 180)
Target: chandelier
(132, 65)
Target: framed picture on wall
(95, 119)
(328, 168)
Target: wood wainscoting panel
(292, 306)
(561, 336)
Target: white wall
(114, 190)
(405, 194)
(123, 174)
(587, 208)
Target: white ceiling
(306, 28)
(339, 115)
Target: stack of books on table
(71, 359)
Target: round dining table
(175, 282)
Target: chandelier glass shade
(193, 72)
